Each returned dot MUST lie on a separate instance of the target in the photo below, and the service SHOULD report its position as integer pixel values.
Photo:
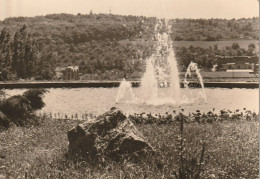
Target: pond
(71, 101)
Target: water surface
(99, 100)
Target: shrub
(20, 108)
(4, 122)
(16, 108)
(34, 96)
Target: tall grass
(230, 151)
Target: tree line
(107, 46)
(206, 57)
(20, 57)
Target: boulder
(111, 134)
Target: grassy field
(231, 151)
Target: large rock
(111, 135)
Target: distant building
(67, 73)
(238, 63)
(71, 73)
(59, 72)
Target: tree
(5, 54)
(44, 68)
(178, 38)
(235, 46)
(25, 54)
(209, 64)
(215, 47)
(251, 46)
(239, 52)
(72, 48)
(229, 24)
(211, 38)
(19, 55)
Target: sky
(227, 9)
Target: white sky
(160, 8)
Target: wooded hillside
(107, 46)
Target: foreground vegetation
(230, 150)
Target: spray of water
(194, 67)
(125, 90)
(214, 68)
(161, 72)
(149, 86)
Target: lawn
(231, 151)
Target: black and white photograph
(129, 89)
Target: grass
(231, 151)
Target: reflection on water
(99, 100)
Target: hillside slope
(106, 46)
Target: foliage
(34, 96)
(19, 56)
(215, 29)
(190, 166)
(206, 57)
(40, 152)
(4, 122)
(19, 109)
(209, 117)
(107, 46)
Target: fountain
(161, 72)
(149, 82)
(194, 67)
(125, 86)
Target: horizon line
(103, 13)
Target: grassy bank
(231, 151)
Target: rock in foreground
(111, 135)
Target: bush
(20, 108)
(34, 96)
(4, 122)
(16, 108)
